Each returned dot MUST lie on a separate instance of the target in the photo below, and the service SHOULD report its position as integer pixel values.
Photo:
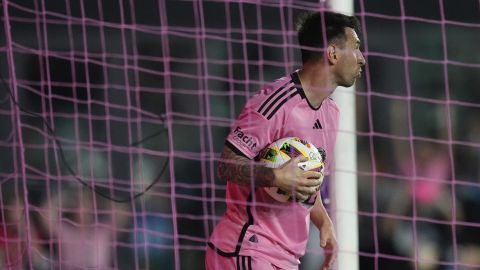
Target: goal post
(344, 190)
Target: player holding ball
(258, 231)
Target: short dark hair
(310, 30)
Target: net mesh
(113, 115)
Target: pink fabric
(279, 230)
(213, 261)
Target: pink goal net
(113, 115)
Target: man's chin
(348, 84)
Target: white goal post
(344, 191)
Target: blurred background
(123, 97)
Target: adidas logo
(317, 125)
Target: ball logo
(243, 138)
(315, 156)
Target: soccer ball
(281, 151)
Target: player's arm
(328, 240)
(237, 168)
(319, 214)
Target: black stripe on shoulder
(275, 102)
(281, 104)
(272, 96)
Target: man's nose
(362, 60)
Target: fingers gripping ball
(282, 150)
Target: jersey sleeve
(252, 132)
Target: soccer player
(256, 231)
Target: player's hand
(328, 242)
(301, 184)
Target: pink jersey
(255, 224)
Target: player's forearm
(319, 214)
(244, 171)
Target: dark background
(148, 83)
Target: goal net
(113, 115)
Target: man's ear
(332, 54)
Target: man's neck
(316, 83)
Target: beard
(348, 82)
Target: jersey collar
(298, 85)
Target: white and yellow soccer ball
(281, 151)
